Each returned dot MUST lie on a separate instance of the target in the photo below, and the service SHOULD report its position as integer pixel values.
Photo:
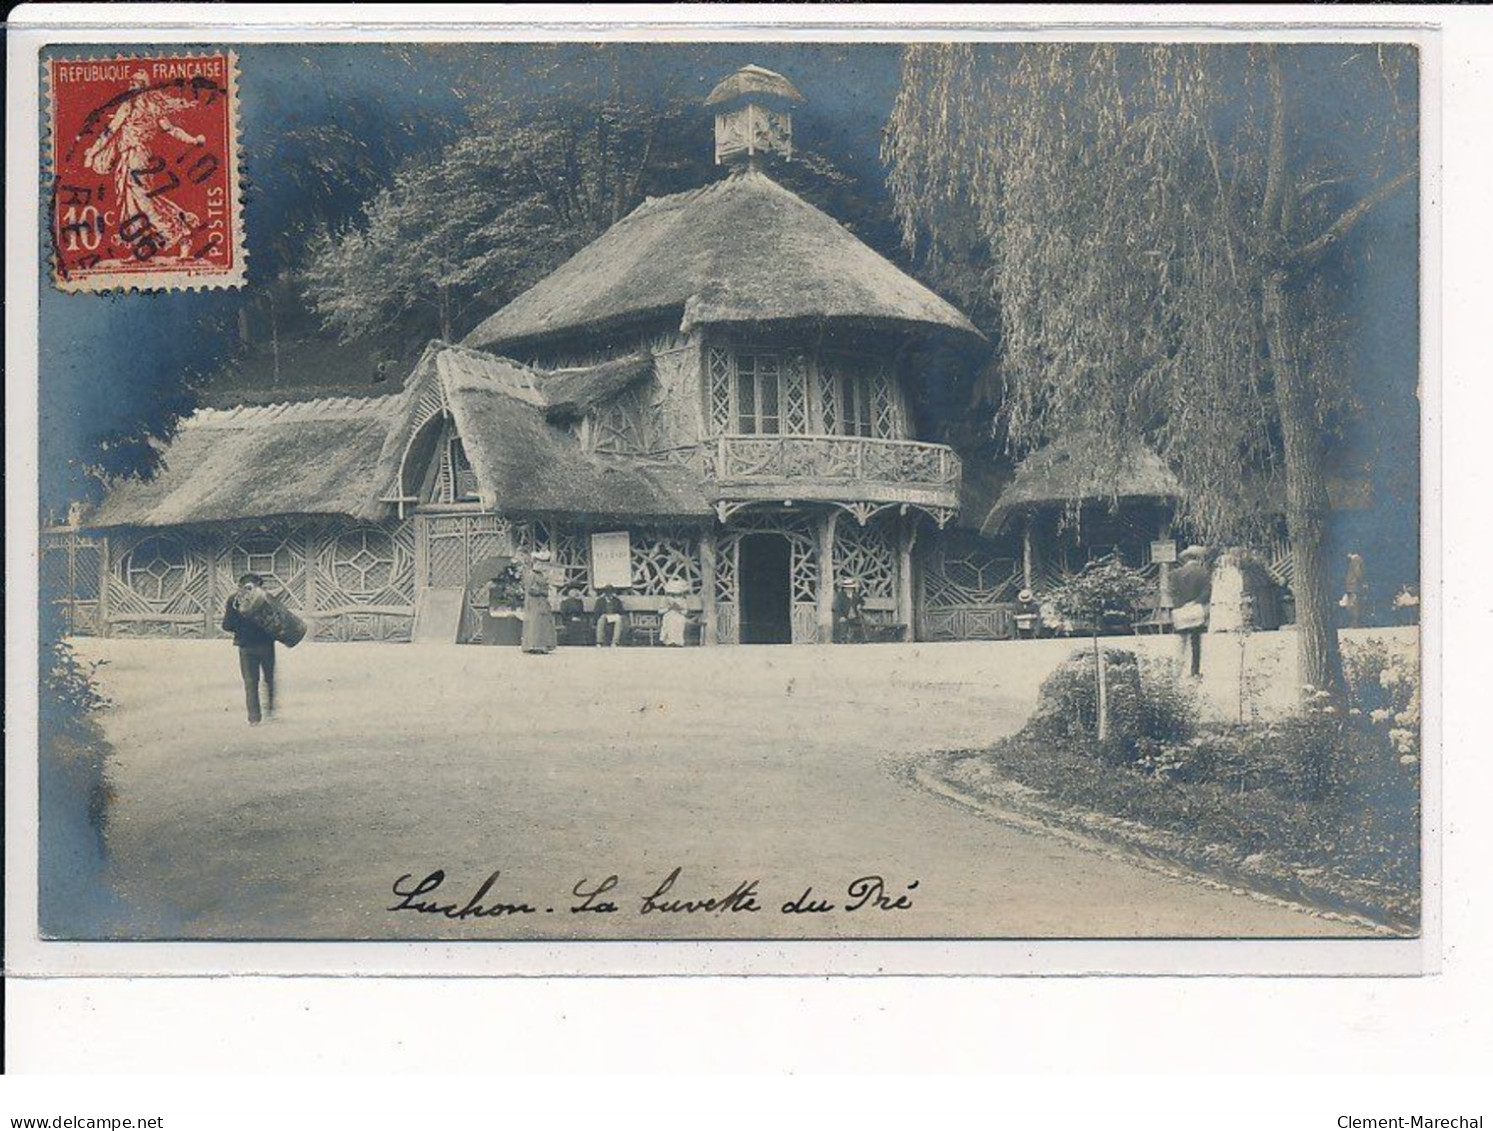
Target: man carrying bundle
(256, 646)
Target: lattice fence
(71, 566)
(363, 578)
(966, 592)
(162, 584)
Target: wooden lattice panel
(718, 361)
(70, 577)
(364, 564)
(970, 578)
(967, 624)
(725, 569)
(884, 418)
(621, 424)
(868, 554)
(278, 557)
(829, 400)
(727, 627)
(1280, 562)
(160, 586)
(795, 395)
(454, 543)
(661, 555)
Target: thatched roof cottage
(726, 392)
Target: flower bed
(1323, 806)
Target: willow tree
(1155, 234)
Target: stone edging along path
(1156, 850)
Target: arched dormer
(435, 469)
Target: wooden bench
(643, 627)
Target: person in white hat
(671, 629)
(539, 619)
(849, 612)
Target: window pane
(767, 389)
(746, 396)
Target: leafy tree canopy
(1156, 235)
(461, 232)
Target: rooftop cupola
(753, 116)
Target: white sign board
(611, 560)
(1163, 551)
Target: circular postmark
(143, 188)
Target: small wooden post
(707, 584)
(1164, 569)
(1027, 563)
(827, 523)
(217, 545)
(906, 612)
(309, 595)
(103, 586)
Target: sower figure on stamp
(849, 612)
(126, 151)
(256, 648)
(1192, 589)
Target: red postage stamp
(145, 180)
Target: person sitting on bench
(850, 612)
(608, 617)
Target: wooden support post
(216, 543)
(906, 611)
(707, 584)
(1164, 572)
(103, 586)
(827, 523)
(1027, 563)
(308, 537)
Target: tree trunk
(1101, 708)
(1319, 661)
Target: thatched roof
(316, 457)
(753, 79)
(526, 466)
(341, 456)
(569, 393)
(1054, 476)
(743, 249)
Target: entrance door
(764, 572)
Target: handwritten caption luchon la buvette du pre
(672, 895)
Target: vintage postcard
(862, 506)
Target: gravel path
(784, 766)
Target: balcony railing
(840, 468)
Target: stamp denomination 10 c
(145, 182)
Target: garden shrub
(1148, 708)
(69, 686)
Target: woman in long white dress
(539, 618)
(675, 620)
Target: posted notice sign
(1164, 551)
(611, 560)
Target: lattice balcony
(852, 470)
